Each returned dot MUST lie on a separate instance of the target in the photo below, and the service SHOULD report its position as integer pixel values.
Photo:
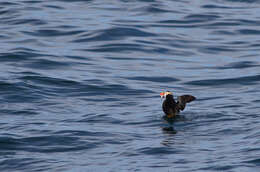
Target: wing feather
(182, 100)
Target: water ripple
(246, 80)
(115, 34)
(80, 81)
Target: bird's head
(164, 94)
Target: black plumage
(171, 108)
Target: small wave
(249, 32)
(239, 65)
(157, 151)
(211, 6)
(202, 17)
(48, 81)
(8, 3)
(46, 64)
(18, 56)
(54, 143)
(154, 79)
(253, 161)
(153, 9)
(33, 22)
(243, 1)
(23, 164)
(72, 1)
(65, 87)
(246, 80)
(52, 33)
(116, 33)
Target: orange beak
(162, 94)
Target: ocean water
(80, 83)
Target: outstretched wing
(182, 100)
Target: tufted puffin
(170, 107)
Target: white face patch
(164, 94)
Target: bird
(170, 107)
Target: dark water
(80, 83)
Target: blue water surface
(80, 83)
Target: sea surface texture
(80, 84)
